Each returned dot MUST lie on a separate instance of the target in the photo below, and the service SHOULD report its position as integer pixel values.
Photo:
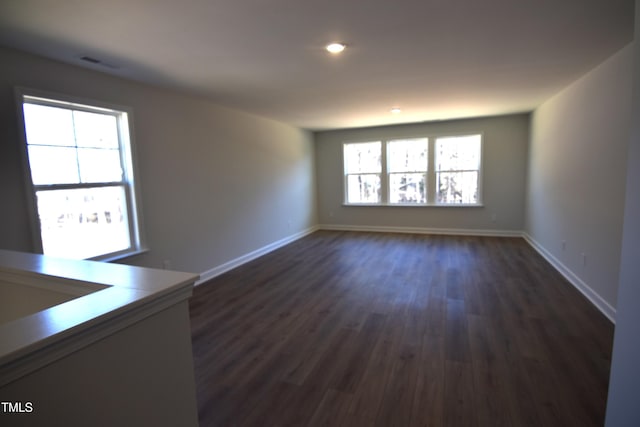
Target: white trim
(416, 205)
(602, 305)
(421, 230)
(237, 262)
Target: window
(407, 165)
(363, 170)
(440, 171)
(80, 165)
(457, 169)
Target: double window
(415, 171)
(81, 173)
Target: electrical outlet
(166, 264)
(584, 259)
(494, 217)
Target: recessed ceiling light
(396, 110)
(336, 47)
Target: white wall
(623, 405)
(505, 147)
(577, 174)
(216, 183)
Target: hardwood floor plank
(455, 287)
(460, 408)
(567, 367)
(456, 337)
(332, 410)
(371, 392)
(490, 388)
(357, 358)
(428, 402)
(436, 308)
(395, 408)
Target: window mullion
(123, 147)
(431, 172)
(52, 187)
(384, 174)
(75, 141)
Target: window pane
(53, 165)
(95, 130)
(98, 165)
(363, 188)
(83, 223)
(407, 188)
(457, 187)
(409, 155)
(363, 157)
(458, 153)
(48, 125)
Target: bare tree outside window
(407, 167)
(457, 169)
(363, 167)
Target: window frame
(380, 174)
(126, 147)
(436, 172)
(431, 175)
(425, 172)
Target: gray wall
(623, 406)
(216, 183)
(577, 173)
(505, 147)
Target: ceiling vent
(95, 61)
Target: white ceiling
(436, 59)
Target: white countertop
(121, 295)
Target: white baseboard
(230, 265)
(604, 307)
(422, 230)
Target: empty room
(305, 213)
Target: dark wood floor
(371, 329)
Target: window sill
(121, 256)
(413, 205)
